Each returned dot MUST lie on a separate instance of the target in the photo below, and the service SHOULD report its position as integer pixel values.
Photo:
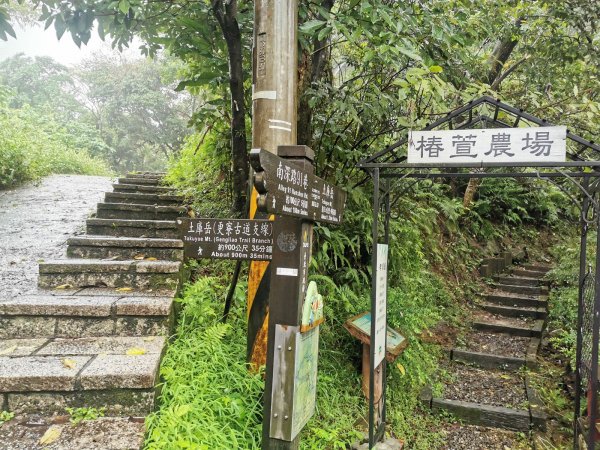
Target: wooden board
(227, 238)
(359, 326)
(287, 190)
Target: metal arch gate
(588, 325)
(386, 166)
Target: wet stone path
(35, 222)
(88, 273)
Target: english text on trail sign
(227, 238)
(287, 190)
(490, 145)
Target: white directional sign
(497, 145)
(381, 303)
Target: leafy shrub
(33, 146)
(199, 174)
(563, 300)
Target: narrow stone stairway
(485, 387)
(93, 334)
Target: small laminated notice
(287, 272)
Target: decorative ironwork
(582, 170)
(587, 314)
(487, 112)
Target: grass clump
(209, 399)
(78, 415)
(5, 416)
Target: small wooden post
(378, 380)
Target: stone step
(138, 212)
(86, 372)
(518, 281)
(141, 188)
(484, 397)
(499, 326)
(150, 275)
(537, 267)
(143, 198)
(528, 273)
(165, 229)
(485, 415)
(487, 360)
(513, 311)
(503, 298)
(114, 433)
(527, 290)
(69, 316)
(146, 174)
(123, 248)
(140, 180)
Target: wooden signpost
(295, 311)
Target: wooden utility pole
(274, 296)
(274, 108)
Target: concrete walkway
(35, 222)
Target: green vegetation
(209, 399)
(105, 115)
(33, 145)
(563, 301)
(80, 414)
(369, 71)
(5, 416)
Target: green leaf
(9, 30)
(60, 26)
(311, 26)
(324, 32)
(436, 69)
(410, 53)
(124, 6)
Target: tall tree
(136, 113)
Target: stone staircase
(486, 386)
(94, 332)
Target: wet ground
(36, 220)
(484, 386)
(465, 437)
(56, 433)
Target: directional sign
(227, 238)
(287, 190)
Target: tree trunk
(497, 59)
(225, 13)
(500, 55)
(310, 71)
(471, 191)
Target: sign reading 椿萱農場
(489, 145)
(288, 190)
(227, 238)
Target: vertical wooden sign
(292, 248)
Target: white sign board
(490, 145)
(380, 303)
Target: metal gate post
(580, 308)
(595, 335)
(375, 236)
